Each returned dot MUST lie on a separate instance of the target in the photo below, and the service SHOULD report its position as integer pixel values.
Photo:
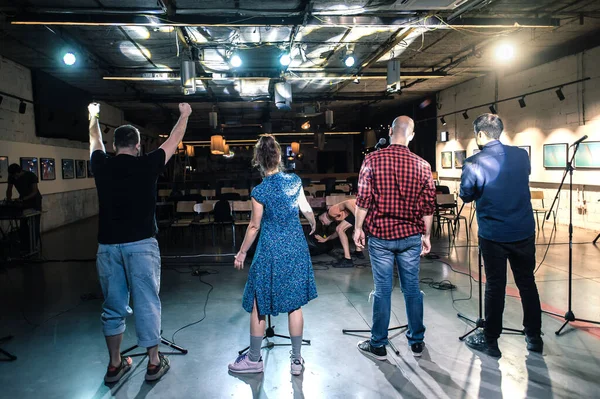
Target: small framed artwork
(447, 159)
(30, 164)
(68, 169)
(89, 169)
(3, 169)
(476, 151)
(555, 155)
(80, 169)
(443, 137)
(588, 155)
(459, 158)
(48, 168)
(528, 149)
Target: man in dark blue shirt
(497, 179)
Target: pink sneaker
(243, 365)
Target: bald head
(402, 130)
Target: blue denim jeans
(131, 269)
(406, 253)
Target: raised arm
(170, 146)
(95, 135)
(251, 233)
(307, 212)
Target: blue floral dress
(281, 276)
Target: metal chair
(204, 210)
(242, 211)
(447, 212)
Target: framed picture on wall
(68, 169)
(459, 158)
(447, 159)
(80, 169)
(30, 164)
(588, 155)
(89, 169)
(48, 168)
(3, 169)
(555, 155)
(526, 148)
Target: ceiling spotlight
(106, 130)
(356, 80)
(285, 59)
(22, 107)
(69, 59)
(443, 121)
(465, 115)
(522, 102)
(349, 61)
(505, 52)
(235, 61)
(305, 125)
(493, 109)
(560, 94)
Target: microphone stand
(569, 316)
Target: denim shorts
(131, 270)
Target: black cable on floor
(198, 273)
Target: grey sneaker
(297, 366)
(243, 365)
(367, 349)
(154, 373)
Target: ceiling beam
(133, 19)
(389, 44)
(170, 99)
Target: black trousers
(521, 255)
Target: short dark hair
(491, 125)
(267, 154)
(14, 168)
(126, 136)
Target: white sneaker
(297, 366)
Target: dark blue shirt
(497, 179)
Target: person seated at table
(26, 183)
(343, 214)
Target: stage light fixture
(493, 109)
(560, 94)
(356, 80)
(106, 129)
(443, 121)
(306, 125)
(22, 107)
(285, 59)
(505, 52)
(69, 59)
(349, 61)
(522, 103)
(235, 61)
(465, 115)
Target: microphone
(382, 142)
(579, 141)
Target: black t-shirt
(24, 184)
(127, 195)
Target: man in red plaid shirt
(396, 200)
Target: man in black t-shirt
(26, 183)
(128, 259)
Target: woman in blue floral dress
(281, 277)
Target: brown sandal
(114, 374)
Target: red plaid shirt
(396, 187)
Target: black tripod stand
(396, 351)
(480, 322)
(182, 351)
(569, 316)
(9, 357)
(270, 333)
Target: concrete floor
(65, 355)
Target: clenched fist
(94, 109)
(185, 109)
